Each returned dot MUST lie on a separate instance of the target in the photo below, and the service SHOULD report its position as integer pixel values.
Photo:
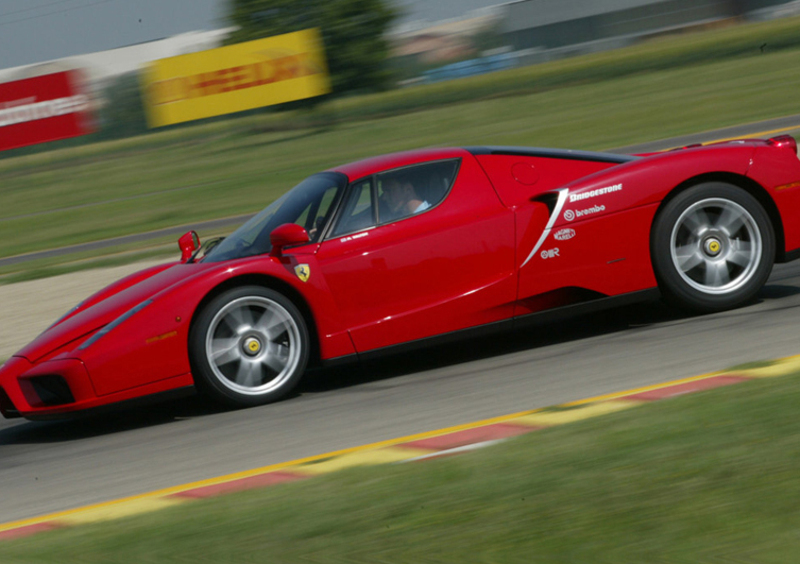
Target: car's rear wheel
(713, 247)
(249, 346)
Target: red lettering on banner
(229, 79)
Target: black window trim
(333, 212)
(340, 205)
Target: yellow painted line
(585, 411)
(745, 136)
(263, 470)
(363, 458)
(753, 135)
(118, 510)
(294, 464)
(781, 367)
(616, 395)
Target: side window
(358, 211)
(413, 189)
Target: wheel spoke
(264, 320)
(729, 221)
(716, 274)
(742, 254)
(697, 222)
(240, 319)
(274, 326)
(224, 350)
(248, 373)
(277, 357)
(689, 256)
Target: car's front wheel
(713, 247)
(248, 346)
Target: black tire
(712, 247)
(249, 346)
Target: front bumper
(61, 388)
(54, 386)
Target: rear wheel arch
(748, 185)
(273, 284)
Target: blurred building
(524, 32)
(443, 41)
(554, 24)
(100, 68)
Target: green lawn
(709, 477)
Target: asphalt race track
(47, 467)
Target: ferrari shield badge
(303, 272)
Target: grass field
(709, 477)
(219, 169)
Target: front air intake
(52, 390)
(7, 407)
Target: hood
(111, 305)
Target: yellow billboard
(235, 78)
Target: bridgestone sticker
(594, 193)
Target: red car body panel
(778, 172)
(520, 231)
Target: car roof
(372, 165)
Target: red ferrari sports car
(404, 249)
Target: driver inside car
(401, 199)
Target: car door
(440, 266)
(558, 263)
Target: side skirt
(538, 318)
(584, 308)
(790, 256)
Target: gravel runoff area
(28, 308)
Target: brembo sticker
(569, 215)
(593, 193)
(564, 234)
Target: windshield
(308, 204)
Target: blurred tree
(122, 114)
(353, 32)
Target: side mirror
(285, 235)
(188, 244)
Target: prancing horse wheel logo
(252, 346)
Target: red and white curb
(415, 448)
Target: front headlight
(130, 313)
